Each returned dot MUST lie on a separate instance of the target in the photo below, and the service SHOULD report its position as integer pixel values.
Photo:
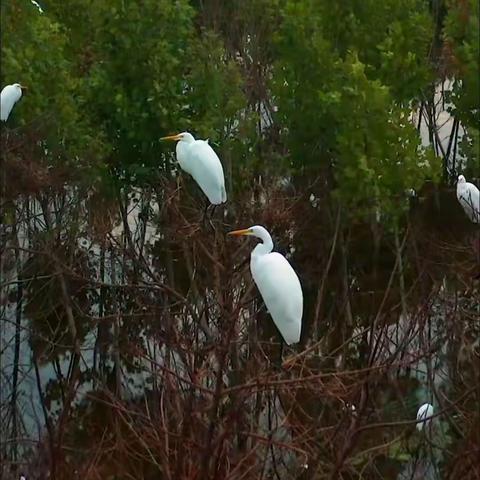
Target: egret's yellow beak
(172, 137)
(237, 233)
(22, 87)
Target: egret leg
(280, 353)
(208, 217)
(205, 211)
(210, 220)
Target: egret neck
(186, 139)
(265, 247)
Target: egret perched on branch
(10, 95)
(469, 198)
(198, 158)
(424, 415)
(278, 284)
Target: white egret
(198, 158)
(36, 4)
(9, 96)
(424, 415)
(469, 198)
(353, 408)
(278, 284)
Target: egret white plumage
(198, 158)
(278, 284)
(423, 415)
(9, 96)
(469, 197)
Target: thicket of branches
(134, 343)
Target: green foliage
(127, 73)
(392, 38)
(34, 54)
(345, 115)
(134, 71)
(150, 73)
(462, 34)
(214, 87)
(340, 79)
(134, 88)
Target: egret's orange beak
(172, 137)
(238, 233)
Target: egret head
(181, 137)
(21, 87)
(461, 179)
(256, 231)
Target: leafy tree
(342, 112)
(461, 37)
(34, 53)
(163, 355)
(147, 71)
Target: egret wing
(206, 169)
(7, 101)
(282, 293)
(469, 198)
(423, 415)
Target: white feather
(198, 158)
(279, 286)
(423, 415)
(469, 197)
(9, 96)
